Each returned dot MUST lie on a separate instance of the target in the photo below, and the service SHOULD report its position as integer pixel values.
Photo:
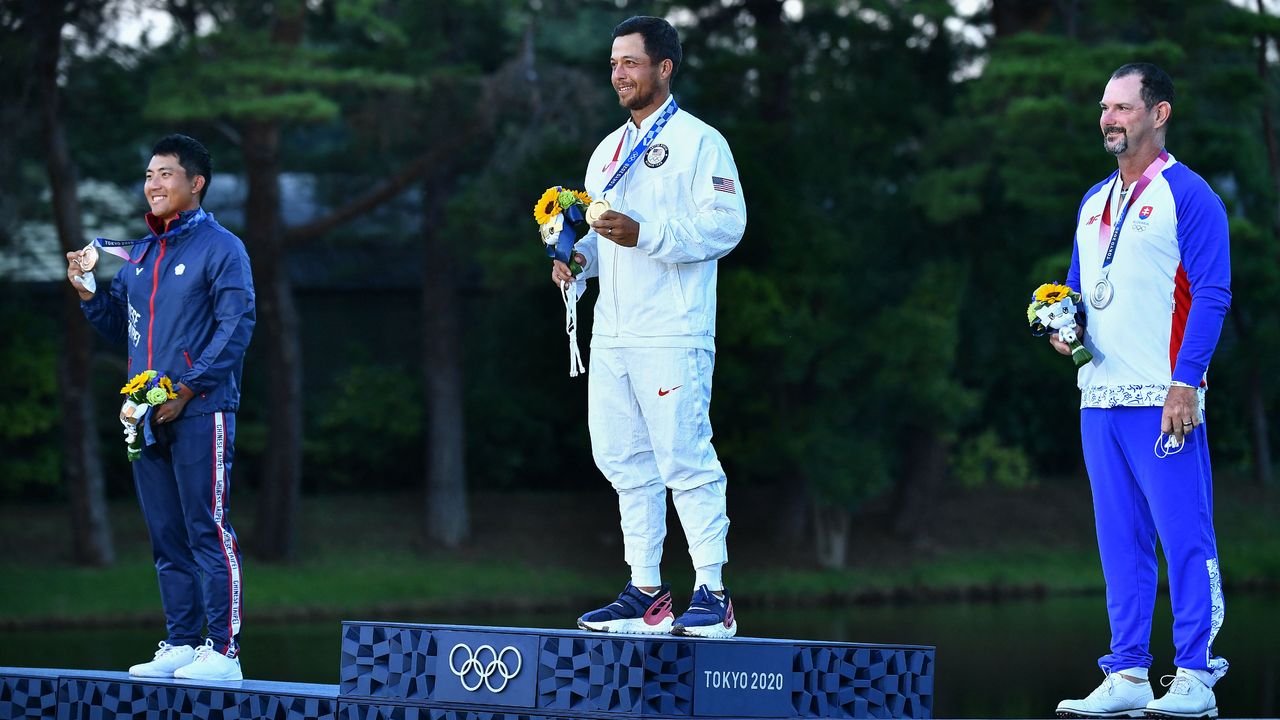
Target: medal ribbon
(117, 247)
(1147, 176)
(643, 145)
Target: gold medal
(596, 209)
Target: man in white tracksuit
(677, 207)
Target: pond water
(1006, 659)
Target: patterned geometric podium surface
(29, 693)
(450, 672)
(397, 671)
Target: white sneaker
(209, 664)
(168, 658)
(1188, 697)
(1116, 697)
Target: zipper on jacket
(617, 316)
(155, 285)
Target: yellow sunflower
(583, 197)
(1052, 292)
(548, 206)
(135, 384)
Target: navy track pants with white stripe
(184, 486)
(1138, 496)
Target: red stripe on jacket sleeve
(1181, 309)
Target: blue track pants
(184, 483)
(1138, 497)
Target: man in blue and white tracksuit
(1152, 261)
(183, 305)
(677, 208)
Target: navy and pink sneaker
(633, 612)
(708, 616)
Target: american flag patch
(723, 184)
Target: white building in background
(115, 211)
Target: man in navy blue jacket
(183, 305)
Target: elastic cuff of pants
(1138, 672)
(709, 554)
(710, 576)
(649, 576)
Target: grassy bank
(363, 556)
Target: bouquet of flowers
(1053, 307)
(146, 390)
(562, 221)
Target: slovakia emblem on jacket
(1145, 212)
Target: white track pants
(650, 430)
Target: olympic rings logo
(484, 672)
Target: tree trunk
(277, 318)
(1011, 17)
(795, 510)
(831, 526)
(772, 38)
(448, 521)
(1268, 116)
(81, 466)
(1260, 426)
(278, 328)
(926, 465)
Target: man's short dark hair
(660, 39)
(1157, 86)
(192, 156)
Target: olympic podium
(41, 694)
(399, 671)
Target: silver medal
(1102, 293)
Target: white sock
(710, 576)
(646, 577)
(1136, 672)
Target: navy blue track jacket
(184, 305)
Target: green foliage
(368, 430)
(985, 460)
(1009, 172)
(29, 415)
(240, 73)
(907, 187)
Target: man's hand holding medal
(613, 225)
(80, 266)
(608, 224)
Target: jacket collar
(653, 116)
(159, 226)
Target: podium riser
(566, 673)
(39, 694)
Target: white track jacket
(684, 192)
